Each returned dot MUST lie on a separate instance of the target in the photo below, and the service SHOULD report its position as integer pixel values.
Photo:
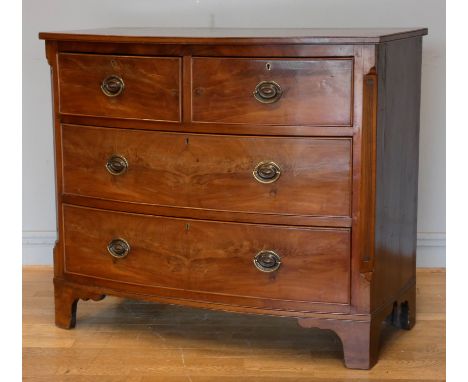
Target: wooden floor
(128, 341)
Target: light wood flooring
(127, 341)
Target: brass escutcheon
(112, 85)
(267, 172)
(118, 248)
(117, 164)
(267, 261)
(267, 92)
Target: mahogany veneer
(316, 92)
(210, 171)
(152, 86)
(253, 171)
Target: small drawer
(252, 174)
(232, 259)
(273, 91)
(120, 86)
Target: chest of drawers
(252, 171)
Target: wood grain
(212, 257)
(210, 128)
(240, 36)
(177, 50)
(211, 172)
(152, 86)
(368, 158)
(315, 92)
(239, 217)
(397, 151)
(128, 341)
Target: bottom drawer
(216, 258)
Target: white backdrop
(50, 15)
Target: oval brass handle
(267, 172)
(112, 86)
(118, 248)
(267, 92)
(117, 164)
(267, 261)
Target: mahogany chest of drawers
(253, 171)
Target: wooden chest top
(237, 35)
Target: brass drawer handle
(118, 248)
(112, 86)
(267, 261)
(267, 172)
(117, 165)
(267, 92)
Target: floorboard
(129, 341)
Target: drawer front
(300, 176)
(211, 257)
(273, 91)
(120, 87)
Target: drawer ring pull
(117, 164)
(267, 261)
(267, 172)
(267, 92)
(112, 86)
(118, 248)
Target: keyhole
(268, 66)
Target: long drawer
(268, 262)
(274, 175)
